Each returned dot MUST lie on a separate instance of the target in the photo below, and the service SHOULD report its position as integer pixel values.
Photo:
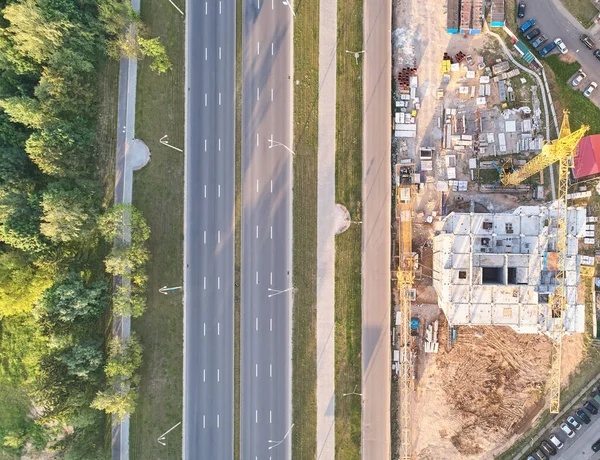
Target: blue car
(527, 25)
(549, 47)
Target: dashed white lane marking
(219, 145)
(220, 97)
(270, 370)
(257, 139)
(219, 191)
(204, 375)
(218, 328)
(218, 282)
(256, 417)
(205, 329)
(205, 191)
(219, 53)
(271, 94)
(206, 54)
(272, 49)
(256, 185)
(218, 375)
(271, 324)
(219, 7)
(205, 7)
(272, 4)
(217, 420)
(270, 417)
(271, 279)
(205, 100)
(257, 232)
(205, 282)
(204, 421)
(256, 277)
(271, 232)
(219, 236)
(257, 47)
(257, 370)
(256, 324)
(271, 186)
(204, 236)
(205, 144)
(258, 94)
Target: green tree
(152, 48)
(111, 224)
(124, 359)
(21, 284)
(33, 35)
(82, 360)
(128, 303)
(14, 168)
(116, 402)
(72, 299)
(24, 110)
(125, 260)
(69, 211)
(20, 220)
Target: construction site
(493, 240)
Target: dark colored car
(597, 53)
(539, 455)
(532, 34)
(590, 407)
(596, 446)
(548, 448)
(581, 415)
(549, 47)
(538, 41)
(527, 25)
(587, 41)
(521, 11)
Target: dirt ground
(488, 388)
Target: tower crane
(405, 282)
(563, 151)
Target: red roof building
(587, 160)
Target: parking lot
(555, 22)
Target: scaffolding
(404, 204)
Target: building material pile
(431, 338)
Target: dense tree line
(53, 298)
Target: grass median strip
(348, 245)
(304, 353)
(158, 193)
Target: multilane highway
(266, 425)
(209, 230)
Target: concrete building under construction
(499, 269)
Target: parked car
(587, 41)
(539, 455)
(588, 93)
(574, 423)
(532, 34)
(557, 442)
(549, 47)
(595, 394)
(590, 407)
(548, 448)
(521, 10)
(561, 46)
(538, 41)
(581, 415)
(567, 430)
(527, 25)
(580, 76)
(596, 446)
(597, 53)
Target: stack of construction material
(404, 78)
(431, 338)
(453, 16)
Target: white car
(557, 442)
(561, 46)
(590, 89)
(578, 78)
(574, 423)
(567, 430)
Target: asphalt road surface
(580, 446)
(266, 230)
(376, 357)
(553, 23)
(209, 230)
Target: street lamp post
(276, 443)
(165, 141)
(353, 392)
(273, 143)
(176, 7)
(356, 54)
(287, 2)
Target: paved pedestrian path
(326, 228)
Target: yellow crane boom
(563, 151)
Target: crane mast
(405, 282)
(563, 151)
